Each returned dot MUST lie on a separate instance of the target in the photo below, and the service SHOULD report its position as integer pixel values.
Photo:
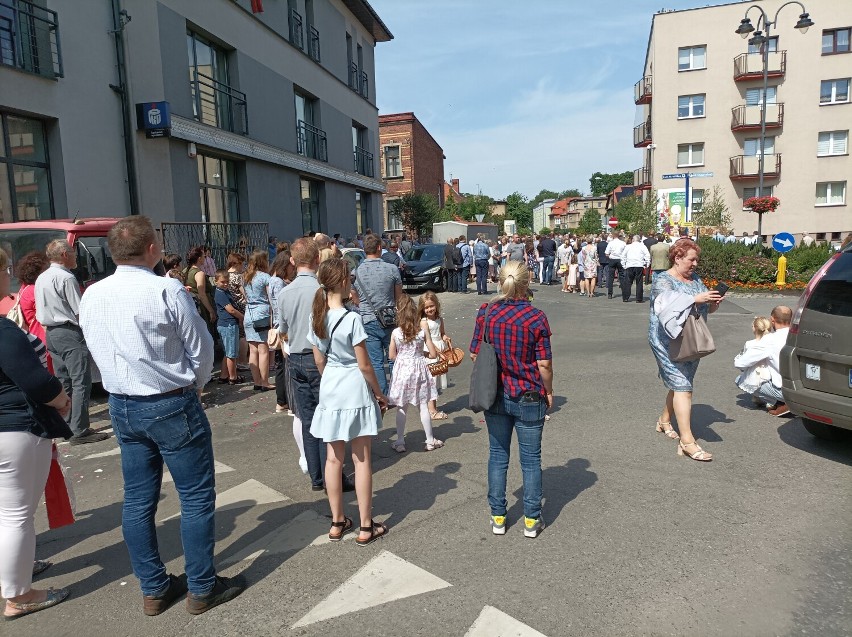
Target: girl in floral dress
(411, 383)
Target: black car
(424, 269)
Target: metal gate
(221, 238)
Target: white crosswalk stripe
(218, 467)
(250, 491)
(495, 623)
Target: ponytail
(318, 311)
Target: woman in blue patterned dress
(677, 377)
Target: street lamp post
(762, 40)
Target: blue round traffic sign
(783, 242)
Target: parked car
(816, 362)
(354, 256)
(424, 268)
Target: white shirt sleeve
(197, 342)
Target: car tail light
(806, 295)
(819, 418)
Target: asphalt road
(639, 541)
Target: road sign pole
(686, 200)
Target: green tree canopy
(590, 223)
(604, 183)
(714, 211)
(474, 205)
(519, 209)
(418, 211)
(637, 215)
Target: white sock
(400, 425)
(426, 421)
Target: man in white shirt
(634, 259)
(768, 349)
(614, 249)
(155, 355)
(731, 238)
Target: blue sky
(520, 95)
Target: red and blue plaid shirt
(520, 335)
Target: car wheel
(824, 431)
(444, 283)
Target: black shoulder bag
(485, 377)
(385, 315)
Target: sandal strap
(341, 524)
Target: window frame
(773, 40)
(205, 189)
(691, 58)
(398, 148)
(833, 101)
(762, 101)
(691, 153)
(767, 138)
(828, 203)
(8, 163)
(833, 33)
(768, 191)
(691, 106)
(831, 142)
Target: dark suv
(816, 362)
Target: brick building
(411, 160)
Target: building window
(754, 96)
(751, 146)
(757, 48)
(29, 38)
(312, 140)
(362, 211)
(690, 106)
(697, 199)
(831, 193)
(394, 221)
(363, 157)
(750, 192)
(692, 58)
(393, 167)
(690, 154)
(214, 100)
(833, 143)
(25, 193)
(835, 41)
(834, 91)
(310, 206)
(217, 180)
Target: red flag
(257, 6)
(56, 495)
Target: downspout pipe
(119, 20)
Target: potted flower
(762, 204)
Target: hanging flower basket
(762, 204)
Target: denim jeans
(174, 429)
(527, 418)
(70, 356)
(305, 383)
(378, 342)
(461, 281)
(481, 276)
(547, 274)
(769, 393)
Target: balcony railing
(312, 141)
(364, 85)
(749, 66)
(642, 91)
(314, 44)
(642, 134)
(297, 35)
(358, 80)
(363, 161)
(745, 117)
(29, 38)
(746, 167)
(642, 178)
(218, 104)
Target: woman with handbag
(32, 403)
(520, 336)
(687, 290)
(258, 317)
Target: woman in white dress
(350, 399)
(429, 310)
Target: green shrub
(545, 230)
(753, 269)
(804, 261)
(717, 258)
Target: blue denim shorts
(230, 339)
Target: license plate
(812, 372)
(409, 286)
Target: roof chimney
(456, 186)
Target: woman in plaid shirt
(520, 335)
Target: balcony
(314, 44)
(747, 167)
(642, 91)
(749, 66)
(642, 135)
(746, 118)
(358, 80)
(642, 178)
(29, 38)
(297, 35)
(363, 162)
(218, 104)
(312, 141)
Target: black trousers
(615, 269)
(631, 275)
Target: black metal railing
(642, 178)
(29, 38)
(358, 80)
(221, 238)
(747, 116)
(312, 141)
(748, 166)
(363, 161)
(314, 44)
(642, 90)
(297, 34)
(642, 134)
(750, 65)
(353, 76)
(218, 104)
(364, 85)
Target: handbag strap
(366, 293)
(333, 329)
(483, 338)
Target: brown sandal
(375, 526)
(345, 526)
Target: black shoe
(609, 296)
(626, 300)
(226, 589)
(152, 606)
(348, 485)
(317, 487)
(88, 436)
(640, 300)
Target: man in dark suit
(450, 266)
(603, 260)
(651, 240)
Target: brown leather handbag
(695, 340)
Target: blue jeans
(305, 383)
(769, 393)
(527, 418)
(547, 275)
(461, 285)
(481, 276)
(378, 342)
(174, 429)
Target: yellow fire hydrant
(782, 271)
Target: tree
(541, 196)
(590, 223)
(604, 183)
(519, 209)
(450, 210)
(714, 211)
(636, 215)
(418, 211)
(571, 192)
(475, 205)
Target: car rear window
(833, 294)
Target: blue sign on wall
(783, 242)
(155, 118)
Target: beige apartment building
(700, 101)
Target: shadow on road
(794, 434)
(415, 491)
(703, 418)
(561, 485)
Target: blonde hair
(258, 261)
(514, 281)
(407, 317)
(761, 326)
(429, 295)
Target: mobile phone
(721, 288)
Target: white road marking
(495, 623)
(250, 492)
(218, 468)
(385, 578)
(104, 454)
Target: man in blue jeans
(467, 262)
(155, 354)
(481, 255)
(377, 287)
(547, 250)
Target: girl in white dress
(411, 383)
(349, 398)
(429, 309)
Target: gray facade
(237, 151)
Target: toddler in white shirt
(752, 377)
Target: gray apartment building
(271, 112)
